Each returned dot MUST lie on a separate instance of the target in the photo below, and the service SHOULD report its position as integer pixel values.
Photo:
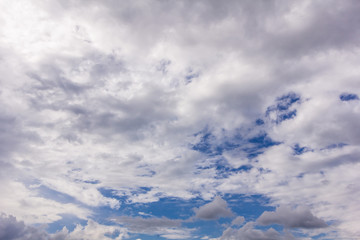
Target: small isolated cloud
(300, 217)
(216, 209)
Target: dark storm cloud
(292, 218)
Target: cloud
(25, 204)
(248, 232)
(12, 229)
(102, 99)
(167, 228)
(238, 221)
(94, 230)
(292, 218)
(218, 208)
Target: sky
(163, 119)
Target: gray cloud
(248, 232)
(86, 85)
(12, 229)
(292, 218)
(218, 208)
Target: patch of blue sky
(92, 181)
(348, 97)
(286, 116)
(256, 144)
(250, 145)
(285, 101)
(262, 140)
(253, 146)
(334, 145)
(225, 170)
(250, 207)
(282, 108)
(206, 145)
(122, 196)
(259, 122)
(298, 150)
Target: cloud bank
(109, 108)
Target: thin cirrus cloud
(109, 109)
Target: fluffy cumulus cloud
(216, 209)
(110, 108)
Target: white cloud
(95, 230)
(20, 201)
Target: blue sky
(161, 119)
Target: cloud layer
(107, 106)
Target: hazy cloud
(168, 228)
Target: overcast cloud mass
(179, 119)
